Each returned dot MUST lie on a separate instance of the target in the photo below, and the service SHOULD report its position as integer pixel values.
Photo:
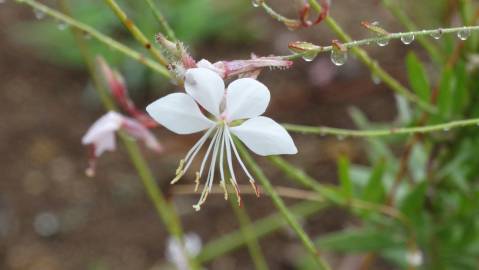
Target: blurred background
(53, 217)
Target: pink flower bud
(245, 68)
(118, 89)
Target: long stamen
(211, 172)
(205, 158)
(251, 180)
(222, 172)
(180, 171)
(230, 167)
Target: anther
(197, 181)
(223, 185)
(180, 167)
(177, 177)
(255, 188)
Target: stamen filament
(180, 171)
(211, 172)
(251, 180)
(230, 167)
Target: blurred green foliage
(439, 191)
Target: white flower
(243, 99)
(175, 251)
(414, 257)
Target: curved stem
(247, 230)
(161, 19)
(136, 32)
(285, 212)
(111, 43)
(380, 132)
(390, 36)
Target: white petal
(264, 136)
(206, 87)
(179, 113)
(246, 98)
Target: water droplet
(464, 34)
(339, 57)
(375, 78)
(86, 35)
(38, 13)
(309, 56)
(256, 3)
(46, 224)
(375, 23)
(437, 34)
(408, 39)
(382, 42)
(62, 26)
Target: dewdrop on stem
(256, 3)
(407, 39)
(382, 42)
(39, 14)
(464, 34)
(375, 78)
(339, 57)
(62, 25)
(437, 34)
(309, 56)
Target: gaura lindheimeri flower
(234, 111)
(101, 136)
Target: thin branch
(247, 230)
(381, 132)
(136, 32)
(386, 37)
(161, 19)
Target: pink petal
(101, 136)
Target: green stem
(136, 32)
(279, 203)
(433, 50)
(113, 44)
(380, 132)
(161, 19)
(261, 228)
(390, 36)
(331, 194)
(247, 230)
